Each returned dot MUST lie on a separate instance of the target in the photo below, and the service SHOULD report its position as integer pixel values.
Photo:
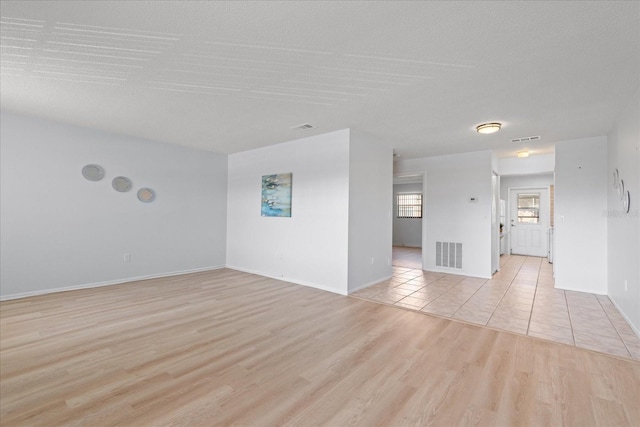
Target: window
(529, 208)
(409, 205)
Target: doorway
(495, 223)
(408, 218)
(529, 221)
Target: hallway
(520, 298)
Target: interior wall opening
(529, 211)
(408, 220)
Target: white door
(529, 221)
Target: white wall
(62, 231)
(406, 231)
(370, 221)
(449, 217)
(310, 247)
(580, 258)
(624, 229)
(542, 163)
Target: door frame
(508, 212)
(421, 176)
(495, 222)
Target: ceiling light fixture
(488, 127)
(522, 154)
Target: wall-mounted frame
(276, 195)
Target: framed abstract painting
(276, 195)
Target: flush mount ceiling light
(522, 154)
(488, 127)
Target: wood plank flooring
(229, 348)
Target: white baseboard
(290, 280)
(635, 330)
(105, 283)
(366, 285)
(456, 272)
(565, 288)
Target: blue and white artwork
(276, 195)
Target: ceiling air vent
(526, 139)
(305, 126)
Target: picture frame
(276, 195)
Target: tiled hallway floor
(519, 298)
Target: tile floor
(520, 298)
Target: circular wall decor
(626, 202)
(93, 172)
(616, 179)
(146, 195)
(621, 189)
(121, 184)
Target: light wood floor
(225, 347)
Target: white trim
(456, 271)
(565, 288)
(508, 212)
(289, 279)
(366, 285)
(418, 175)
(495, 196)
(106, 283)
(635, 330)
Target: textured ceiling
(233, 76)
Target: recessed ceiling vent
(526, 139)
(305, 126)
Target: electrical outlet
(625, 286)
(126, 257)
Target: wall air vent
(449, 254)
(305, 126)
(526, 139)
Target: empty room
(266, 213)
